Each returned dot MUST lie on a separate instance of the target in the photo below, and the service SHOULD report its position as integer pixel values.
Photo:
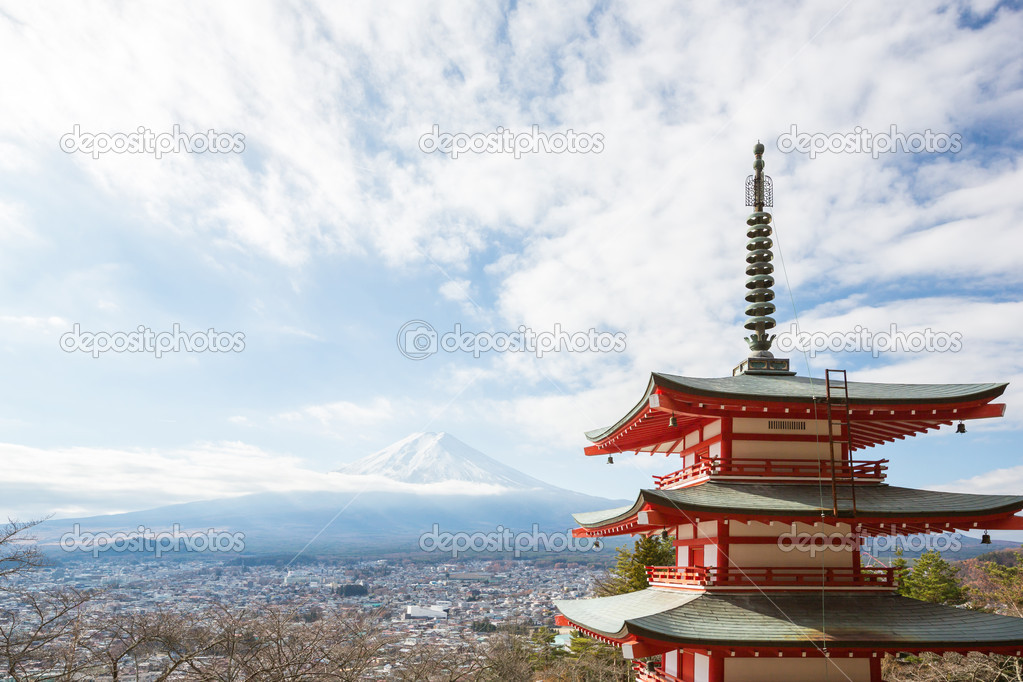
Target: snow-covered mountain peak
(436, 458)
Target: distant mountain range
(387, 500)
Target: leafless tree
(277, 645)
(934, 668)
(43, 632)
(18, 552)
(430, 662)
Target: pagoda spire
(760, 274)
(759, 193)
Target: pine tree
(933, 579)
(901, 567)
(629, 573)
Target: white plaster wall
(701, 668)
(671, 663)
(762, 530)
(797, 669)
(773, 555)
(762, 449)
(748, 425)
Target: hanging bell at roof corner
(673, 422)
(664, 535)
(610, 459)
(961, 428)
(985, 539)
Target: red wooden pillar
(875, 668)
(726, 442)
(724, 564)
(716, 671)
(687, 669)
(856, 559)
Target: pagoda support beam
(1011, 523)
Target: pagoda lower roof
(880, 412)
(801, 500)
(781, 620)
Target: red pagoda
(761, 590)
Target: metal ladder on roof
(843, 487)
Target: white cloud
(104, 480)
(339, 418)
(1006, 481)
(33, 323)
(646, 237)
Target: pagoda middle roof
(836, 620)
(787, 500)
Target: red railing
(774, 577)
(704, 465)
(644, 674)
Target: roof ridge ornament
(760, 274)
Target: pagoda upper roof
(902, 409)
(796, 388)
(834, 620)
(783, 501)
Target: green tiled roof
(766, 387)
(804, 389)
(791, 619)
(803, 499)
(608, 614)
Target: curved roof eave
(801, 389)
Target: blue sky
(332, 229)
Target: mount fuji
(425, 458)
(383, 502)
